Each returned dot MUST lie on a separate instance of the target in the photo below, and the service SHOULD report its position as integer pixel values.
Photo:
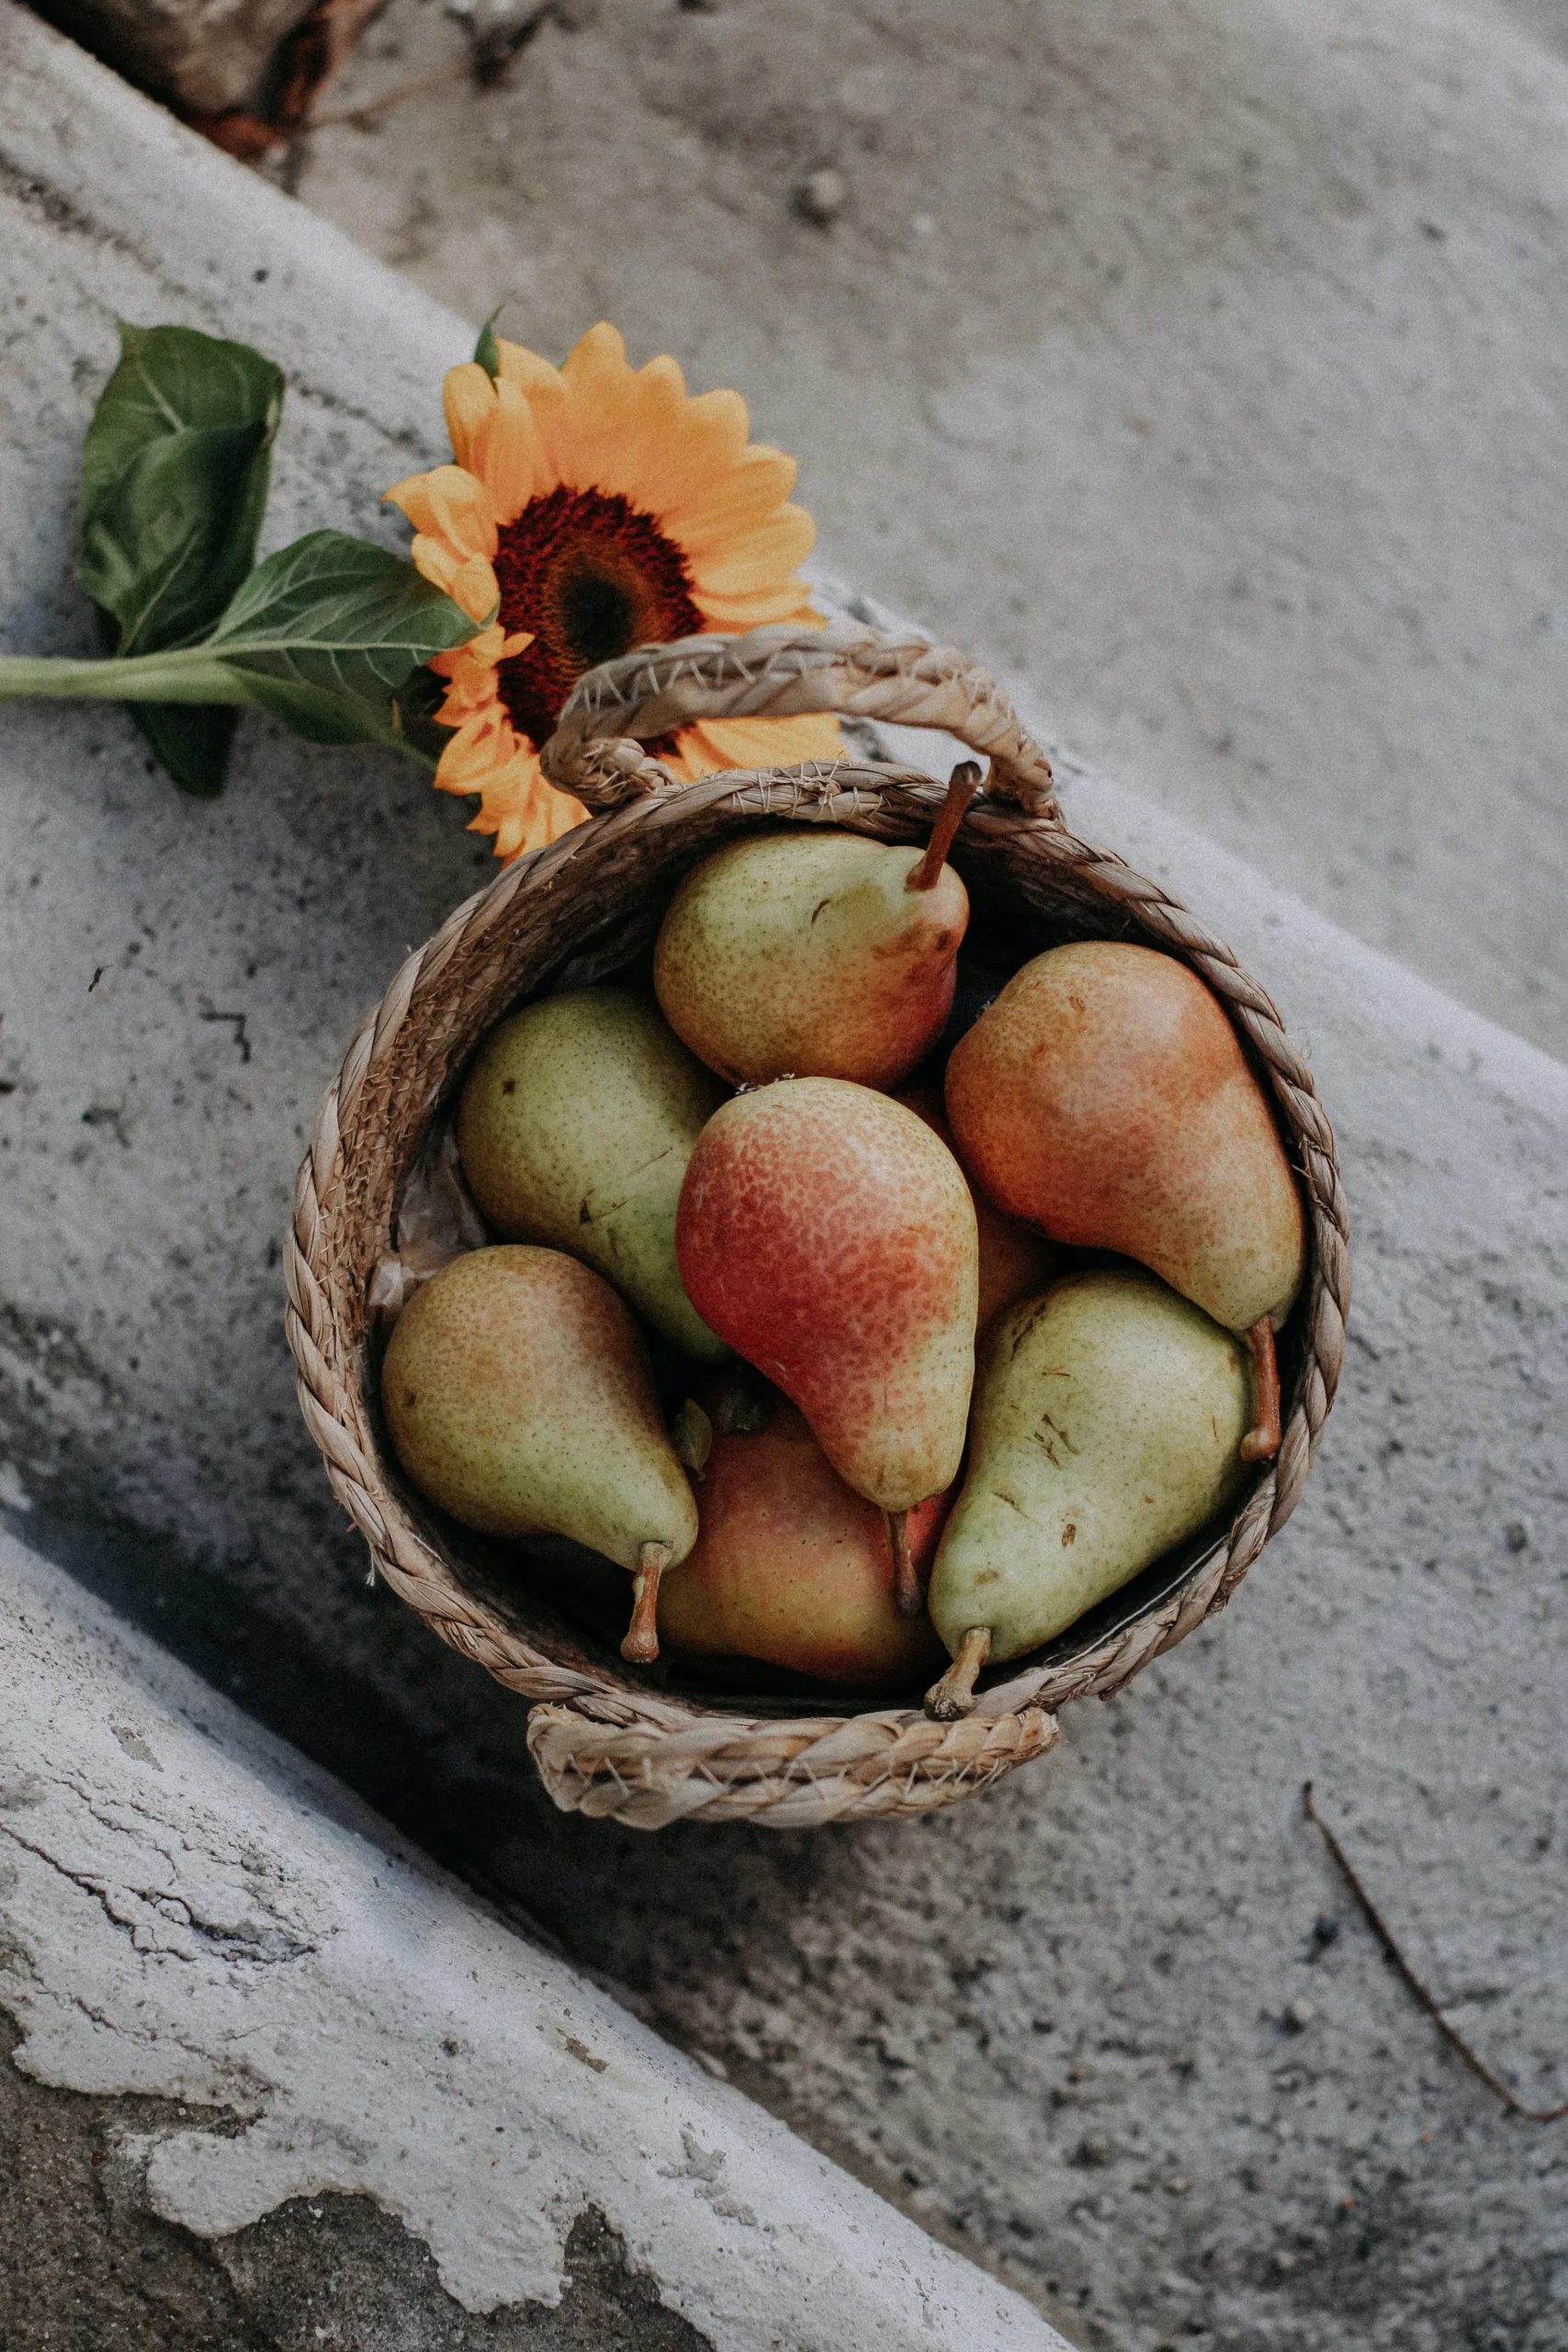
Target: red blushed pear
(1105, 1095)
(1016, 1258)
(828, 1236)
(816, 954)
(793, 1566)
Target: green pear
(574, 1128)
(815, 954)
(1109, 1415)
(518, 1394)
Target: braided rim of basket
(603, 1743)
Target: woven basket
(629, 1743)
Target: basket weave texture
(606, 1739)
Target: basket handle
(781, 671)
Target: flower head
(590, 508)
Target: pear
(1105, 1095)
(574, 1128)
(518, 1396)
(818, 954)
(793, 1566)
(827, 1235)
(1109, 1415)
(1015, 1256)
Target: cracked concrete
(85, 2266)
(194, 1915)
(1063, 2026)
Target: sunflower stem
(193, 675)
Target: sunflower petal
(764, 558)
(739, 502)
(582, 431)
(468, 399)
(501, 444)
(470, 580)
(596, 359)
(487, 756)
(703, 443)
(614, 417)
(717, 743)
(791, 601)
(517, 364)
(520, 808)
(617, 446)
(448, 504)
(477, 659)
(513, 460)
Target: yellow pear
(816, 954)
(1109, 1415)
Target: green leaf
(485, 352)
(191, 742)
(332, 636)
(166, 546)
(325, 633)
(171, 379)
(174, 477)
(420, 732)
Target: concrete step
(193, 1915)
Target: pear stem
(953, 1696)
(641, 1644)
(962, 787)
(909, 1599)
(1261, 1442)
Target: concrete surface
(193, 1914)
(1088, 2027)
(1202, 362)
(87, 2266)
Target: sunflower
(594, 507)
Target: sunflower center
(600, 615)
(590, 576)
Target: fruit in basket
(1105, 1095)
(816, 954)
(1015, 1256)
(518, 1396)
(793, 1566)
(574, 1128)
(828, 1236)
(1108, 1416)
